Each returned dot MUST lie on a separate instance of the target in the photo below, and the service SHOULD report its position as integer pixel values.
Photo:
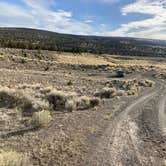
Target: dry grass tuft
(85, 102)
(29, 86)
(41, 119)
(146, 83)
(106, 93)
(8, 97)
(61, 101)
(13, 158)
(129, 87)
(46, 90)
(14, 98)
(120, 93)
(1, 56)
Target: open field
(63, 109)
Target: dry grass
(146, 83)
(108, 116)
(12, 98)
(62, 101)
(24, 102)
(41, 119)
(30, 98)
(120, 93)
(8, 97)
(137, 61)
(13, 158)
(122, 87)
(83, 59)
(85, 102)
(91, 59)
(106, 93)
(1, 56)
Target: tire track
(109, 151)
(162, 114)
(124, 144)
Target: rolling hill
(39, 39)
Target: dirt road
(136, 136)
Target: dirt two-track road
(137, 135)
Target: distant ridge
(40, 39)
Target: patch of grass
(108, 116)
(106, 93)
(13, 98)
(125, 86)
(1, 56)
(83, 59)
(13, 158)
(146, 83)
(23, 61)
(132, 92)
(61, 101)
(8, 97)
(116, 107)
(85, 102)
(120, 93)
(70, 105)
(41, 119)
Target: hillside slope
(39, 39)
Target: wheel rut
(134, 135)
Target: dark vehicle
(120, 73)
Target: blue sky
(130, 18)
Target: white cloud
(88, 21)
(38, 14)
(9, 10)
(101, 1)
(108, 1)
(154, 27)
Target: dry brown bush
(130, 87)
(85, 102)
(106, 93)
(14, 98)
(61, 101)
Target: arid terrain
(64, 109)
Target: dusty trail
(162, 114)
(124, 142)
(122, 145)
